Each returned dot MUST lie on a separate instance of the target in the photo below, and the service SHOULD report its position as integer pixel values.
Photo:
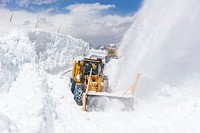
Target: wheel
(78, 92)
(72, 86)
(107, 59)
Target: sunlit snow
(162, 44)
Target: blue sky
(58, 6)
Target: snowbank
(57, 50)
(26, 56)
(6, 125)
(51, 51)
(28, 104)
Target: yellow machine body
(96, 80)
(111, 52)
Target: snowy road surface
(164, 114)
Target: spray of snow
(162, 44)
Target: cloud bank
(85, 21)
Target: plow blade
(106, 101)
(101, 101)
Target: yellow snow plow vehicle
(90, 86)
(111, 53)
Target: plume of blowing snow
(162, 44)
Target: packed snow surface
(162, 44)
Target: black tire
(107, 59)
(78, 92)
(72, 86)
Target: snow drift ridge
(49, 50)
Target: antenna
(58, 31)
(11, 16)
(37, 22)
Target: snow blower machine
(111, 53)
(90, 86)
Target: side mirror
(99, 59)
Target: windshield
(111, 51)
(89, 65)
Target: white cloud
(82, 8)
(40, 2)
(103, 28)
(84, 21)
(25, 3)
(3, 3)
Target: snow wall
(26, 58)
(163, 45)
(50, 51)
